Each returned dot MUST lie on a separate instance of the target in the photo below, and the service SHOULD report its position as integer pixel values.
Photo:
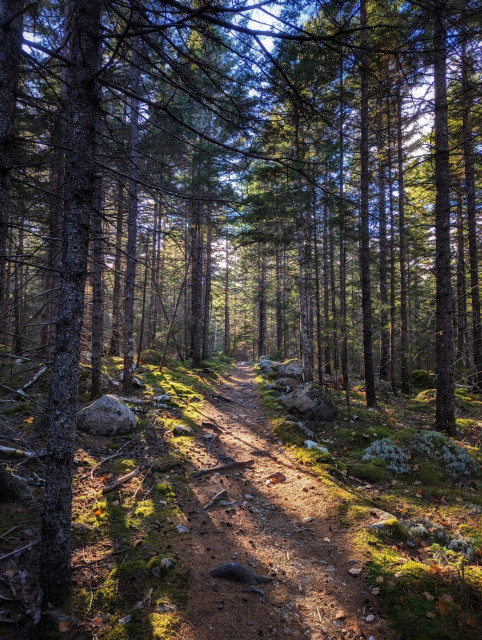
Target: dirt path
(289, 531)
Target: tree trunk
(97, 298)
(227, 350)
(393, 324)
(11, 20)
(461, 284)
(262, 320)
(115, 339)
(55, 556)
(196, 282)
(207, 280)
(404, 372)
(279, 307)
(343, 325)
(382, 272)
(444, 408)
(364, 220)
(319, 326)
(304, 290)
(130, 277)
(326, 298)
(468, 91)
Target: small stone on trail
(370, 618)
(340, 615)
(275, 478)
(182, 529)
(310, 519)
(248, 496)
(354, 572)
(375, 591)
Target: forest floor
(143, 553)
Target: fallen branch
(22, 395)
(219, 496)
(31, 382)
(120, 481)
(217, 396)
(20, 453)
(103, 559)
(211, 425)
(15, 551)
(119, 451)
(223, 467)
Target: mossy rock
(390, 529)
(422, 379)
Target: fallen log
(20, 453)
(223, 467)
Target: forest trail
(288, 530)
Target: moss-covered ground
(425, 590)
(129, 579)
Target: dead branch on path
(120, 481)
(223, 467)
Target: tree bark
(115, 339)
(11, 20)
(444, 408)
(55, 556)
(404, 372)
(196, 282)
(227, 350)
(131, 249)
(341, 169)
(461, 284)
(97, 297)
(364, 219)
(262, 319)
(382, 271)
(468, 91)
(326, 298)
(207, 280)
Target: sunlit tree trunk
(131, 248)
(115, 339)
(62, 408)
(262, 310)
(207, 280)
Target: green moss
(123, 465)
(373, 471)
(289, 433)
(430, 474)
(21, 407)
(165, 490)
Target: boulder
(311, 400)
(106, 416)
(291, 369)
(268, 366)
(283, 384)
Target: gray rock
(311, 444)
(291, 369)
(311, 400)
(268, 366)
(283, 384)
(183, 430)
(106, 416)
(462, 546)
